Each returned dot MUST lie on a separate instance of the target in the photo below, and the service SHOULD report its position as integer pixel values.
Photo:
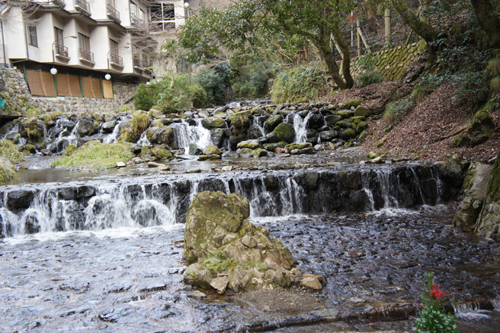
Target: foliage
(175, 92)
(97, 156)
(369, 72)
(433, 319)
(299, 84)
(50, 115)
(249, 81)
(215, 81)
(10, 152)
(395, 110)
(418, 94)
(7, 172)
(146, 96)
(256, 29)
(140, 122)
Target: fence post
(387, 15)
(358, 30)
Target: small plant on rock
(433, 319)
(396, 110)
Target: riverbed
(130, 279)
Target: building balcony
(112, 13)
(115, 60)
(59, 3)
(61, 51)
(86, 56)
(83, 7)
(138, 64)
(137, 22)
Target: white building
(67, 47)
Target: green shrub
(10, 152)
(299, 84)
(140, 122)
(395, 110)
(146, 96)
(215, 81)
(249, 82)
(369, 72)
(97, 156)
(418, 95)
(50, 115)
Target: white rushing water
(300, 127)
(185, 135)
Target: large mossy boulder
(488, 223)
(475, 186)
(213, 122)
(284, 132)
(240, 119)
(273, 122)
(160, 135)
(228, 251)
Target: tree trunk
(422, 29)
(326, 53)
(485, 13)
(346, 61)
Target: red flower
(437, 292)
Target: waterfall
(143, 140)
(300, 127)
(164, 200)
(113, 136)
(186, 135)
(257, 123)
(14, 129)
(63, 140)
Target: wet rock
(475, 186)
(86, 127)
(108, 126)
(296, 146)
(220, 284)
(196, 294)
(160, 135)
(348, 133)
(316, 120)
(362, 111)
(272, 122)
(240, 119)
(114, 315)
(488, 224)
(19, 199)
(311, 283)
(252, 144)
(194, 150)
(328, 135)
(451, 172)
(216, 224)
(212, 150)
(284, 132)
(328, 314)
(214, 122)
(259, 152)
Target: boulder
(259, 152)
(227, 251)
(272, 122)
(161, 152)
(217, 135)
(328, 135)
(284, 132)
(255, 132)
(212, 150)
(362, 111)
(85, 127)
(213, 122)
(475, 186)
(316, 120)
(488, 223)
(252, 144)
(160, 135)
(108, 126)
(240, 119)
(332, 119)
(294, 146)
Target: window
(59, 36)
(113, 47)
(32, 39)
(162, 16)
(84, 47)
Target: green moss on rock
(284, 132)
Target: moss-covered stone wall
(14, 91)
(392, 63)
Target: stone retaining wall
(392, 63)
(17, 91)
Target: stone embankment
(258, 131)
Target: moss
(68, 151)
(293, 146)
(161, 152)
(9, 151)
(240, 119)
(482, 124)
(140, 122)
(50, 115)
(348, 133)
(468, 177)
(128, 135)
(351, 102)
(284, 132)
(382, 141)
(7, 171)
(361, 126)
(259, 152)
(97, 156)
(463, 140)
(282, 144)
(493, 191)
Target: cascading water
(63, 139)
(300, 127)
(258, 123)
(186, 135)
(164, 200)
(113, 136)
